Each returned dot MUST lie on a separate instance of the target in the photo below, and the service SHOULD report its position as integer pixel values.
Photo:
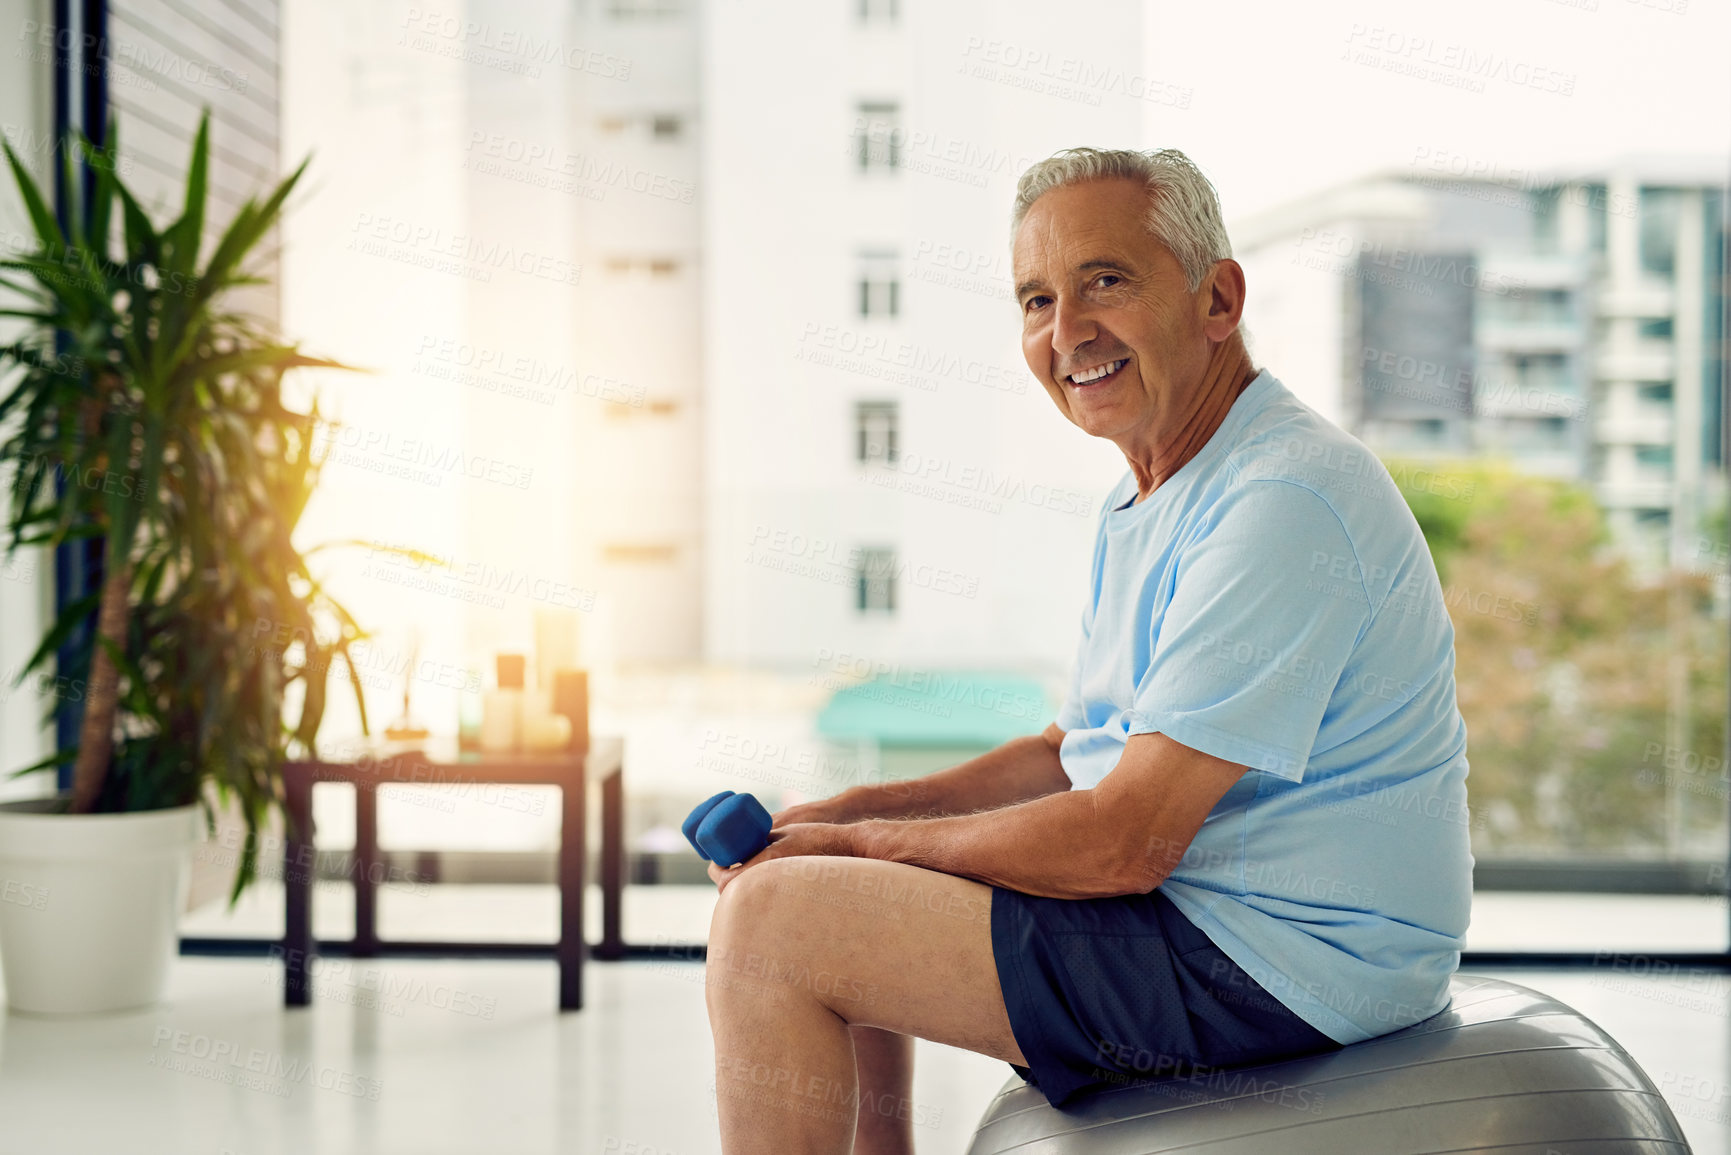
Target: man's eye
(1033, 302)
(1105, 277)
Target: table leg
(573, 834)
(612, 865)
(368, 869)
(298, 864)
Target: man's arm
(1122, 837)
(1019, 770)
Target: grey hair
(1183, 208)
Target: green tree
(1575, 674)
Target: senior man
(1244, 837)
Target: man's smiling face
(1109, 325)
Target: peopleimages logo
(515, 50)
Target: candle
(501, 720)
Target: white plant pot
(90, 905)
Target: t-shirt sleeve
(1257, 631)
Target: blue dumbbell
(728, 828)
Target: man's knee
(753, 909)
(753, 896)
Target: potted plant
(138, 411)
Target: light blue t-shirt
(1273, 603)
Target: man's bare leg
(804, 949)
(885, 1061)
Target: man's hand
(819, 810)
(788, 841)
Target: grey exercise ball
(1502, 1068)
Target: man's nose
(1072, 327)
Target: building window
(1532, 435)
(876, 580)
(877, 135)
(660, 407)
(879, 287)
(1656, 328)
(1530, 306)
(654, 266)
(1596, 200)
(658, 126)
(1653, 459)
(875, 432)
(1653, 392)
(1661, 213)
(1543, 371)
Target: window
(1653, 519)
(1656, 328)
(877, 136)
(658, 125)
(1543, 371)
(1530, 306)
(1654, 392)
(1545, 204)
(1653, 459)
(1595, 195)
(655, 266)
(1660, 216)
(1536, 435)
(876, 580)
(879, 11)
(661, 407)
(879, 283)
(875, 432)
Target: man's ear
(1223, 291)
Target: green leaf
(182, 239)
(70, 618)
(249, 225)
(47, 228)
(59, 757)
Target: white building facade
(886, 484)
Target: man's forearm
(1017, 771)
(1054, 846)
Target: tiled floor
(410, 1057)
(430, 1057)
(469, 1058)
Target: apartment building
(1567, 322)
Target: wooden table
(571, 771)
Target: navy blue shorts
(1107, 991)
